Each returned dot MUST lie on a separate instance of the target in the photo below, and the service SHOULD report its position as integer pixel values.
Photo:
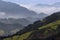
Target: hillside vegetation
(52, 25)
(19, 37)
(44, 30)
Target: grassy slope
(2, 32)
(19, 37)
(52, 25)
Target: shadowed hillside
(47, 29)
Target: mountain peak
(57, 13)
(55, 16)
(43, 14)
(15, 10)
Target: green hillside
(19, 37)
(52, 25)
(2, 32)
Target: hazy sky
(34, 1)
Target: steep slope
(12, 10)
(42, 16)
(42, 33)
(37, 24)
(7, 28)
(48, 31)
(45, 32)
(11, 25)
(37, 17)
(53, 17)
(15, 10)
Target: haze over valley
(29, 20)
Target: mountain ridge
(12, 9)
(51, 27)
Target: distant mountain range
(16, 17)
(12, 10)
(15, 10)
(57, 4)
(37, 17)
(37, 24)
(12, 25)
(47, 29)
(46, 8)
(21, 21)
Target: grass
(52, 25)
(19, 37)
(2, 32)
(24, 36)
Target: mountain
(9, 11)
(57, 4)
(40, 16)
(7, 28)
(39, 23)
(15, 10)
(53, 17)
(15, 25)
(42, 5)
(46, 8)
(11, 25)
(49, 30)
(21, 21)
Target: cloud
(26, 5)
(44, 9)
(2, 14)
(47, 10)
